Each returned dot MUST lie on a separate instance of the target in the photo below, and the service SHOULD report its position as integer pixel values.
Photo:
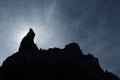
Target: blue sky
(94, 24)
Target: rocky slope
(69, 63)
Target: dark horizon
(69, 63)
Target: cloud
(49, 10)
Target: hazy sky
(94, 24)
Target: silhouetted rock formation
(27, 44)
(69, 63)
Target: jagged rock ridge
(69, 63)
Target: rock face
(28, 44)
(69, 63)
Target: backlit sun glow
(22, 32)
(42, 34)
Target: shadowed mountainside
(69, 63)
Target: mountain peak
(73, 49)
(31, 34)
(27, 42)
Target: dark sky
(94, 24)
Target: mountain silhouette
(69, 63)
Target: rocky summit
(69, 63)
